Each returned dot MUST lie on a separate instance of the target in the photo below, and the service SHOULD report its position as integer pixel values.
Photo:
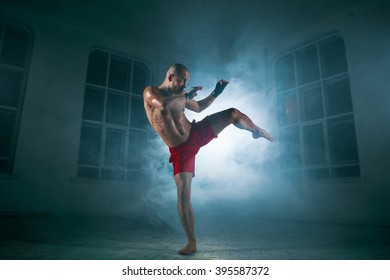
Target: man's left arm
(199, 106)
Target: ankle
(191, 241)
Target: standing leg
(186, 214)
(223, 119)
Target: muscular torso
(170, 123)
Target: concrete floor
(43, 237)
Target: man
(164, 107)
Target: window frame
(18, 108)
(294, 89)
(127, 128)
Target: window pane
(114, 153)
(317, 173)
(7, 127)
(284, 73)
(342, 138)
(93, 104)
(140, 78)
(338, 97)
(97, 68)
(112, 82)
(10, 87)
(315, 111)
(119, 74)
(15, 48)
(311, 102)
(137, 142)
(314, 145)
(138, 115)
(346, 171)
(113, 174)
(333, 59)
(287, 108)
(307, 65)
(290, 144)
(117, 108)
(88, 172)
(90, 144)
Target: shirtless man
(164, 107)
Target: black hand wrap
(219, 87)
(191, 93)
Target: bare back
(166, 115)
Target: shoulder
(150, 91)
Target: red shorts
(183, 155)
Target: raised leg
(186, 214)
(230, 116)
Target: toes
(187, 251)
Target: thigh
(220, 120)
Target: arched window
(315, 111)
(113, 129)
(15, 53)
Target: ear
(170, 77)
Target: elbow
(198, 110)
(194, 107)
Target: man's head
(177, 76)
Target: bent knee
(234, 114)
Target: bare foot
(262, 133)
(188, 250)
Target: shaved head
(177, 69)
